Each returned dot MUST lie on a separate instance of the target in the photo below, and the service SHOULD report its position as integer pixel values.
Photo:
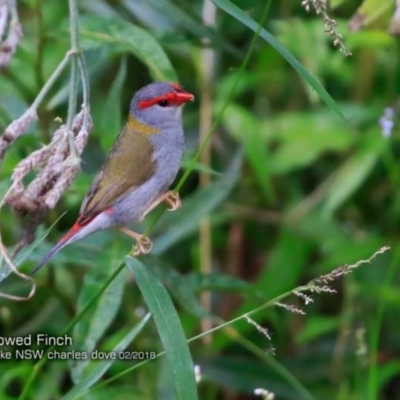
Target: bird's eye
(163, 103)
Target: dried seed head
(330, 24)
(54, 194)
(58, 163)
(307, 299)
(16, 129)
(290, 307)
(260, 329)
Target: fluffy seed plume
(16, 129)
(58, 163)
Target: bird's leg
(170, 197)
(143, 243)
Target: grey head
(159, 104)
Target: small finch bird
(139, 169)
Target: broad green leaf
(185, 288)
(219, 282)
(179, 18)
(183, 222)
(184, 294)
(169, 328)
(101, 367)
(93, 325)
(353, 172)
(373, 40)
(164, 384)
(246, 128)
(99, 30)
(332, 237)
(284, 265)
(303, 137)
(242, 17)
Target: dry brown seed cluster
(58, 163)
(321, 283)
(16, 129)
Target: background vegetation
(294, 184)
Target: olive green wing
(128, 165)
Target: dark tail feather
(48, 256)
(66, 239)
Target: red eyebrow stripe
(148, 103)
(177, 87)
(172, 98)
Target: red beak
(183, 97)
(177, 96)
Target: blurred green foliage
(296, 191)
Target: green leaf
(292, 250)
(246, 128)
(89, 379)
(99, 30)
(303, 137)
(181, 19)
(242, 17)
(176, 284)
(92, 327)
(185, 288)
(169, 328)
(353, 172)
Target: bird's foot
(143, 243)
(173, 200)
(143, 246)
(170, 197)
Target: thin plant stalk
(207, 66)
